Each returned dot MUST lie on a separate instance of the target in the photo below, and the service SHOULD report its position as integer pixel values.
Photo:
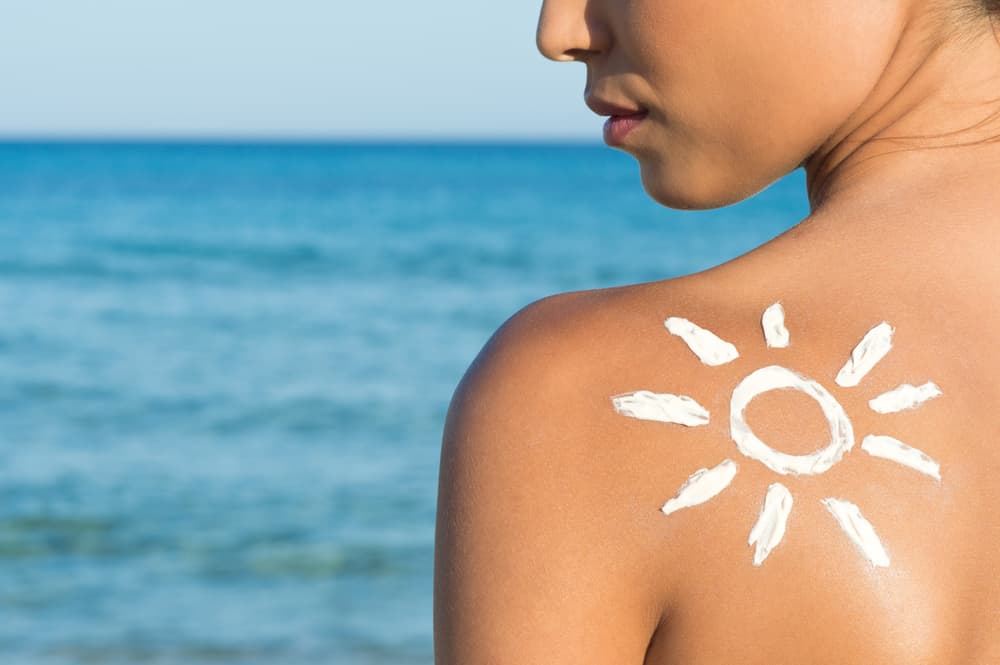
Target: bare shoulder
(549, 521)
(540, 554)
(597, 502)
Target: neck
(930, 126)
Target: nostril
(578, 54)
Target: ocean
(224, 370)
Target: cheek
(794, 85)
(747, 90)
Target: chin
(693, 189)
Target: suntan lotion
(773, 322)
(887, 447)
(770, 526)
(858, 529)
(709, 348)
(662, 407)
(774, 377)
(703, 485)
(706, 483)
(872, 348)
(904, 397)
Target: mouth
(606, 107)
(618, 127)
(621, 119)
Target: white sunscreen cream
(770, 526)
(705, 344)
(858, 529)
(662, 407)
(773, 377)
(773, 322)
(904, 397)
(871, 349)
(706, 483)
(702, 486)
(886, 447)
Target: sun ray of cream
(858, 529)
(773, 323)
(770, 526)
(905, 396)
(703, 485)
(705, 344)
(662, 407)
(886, 447)
(872, 348)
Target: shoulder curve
(544, 483)
(524, 512)
(545, 350)
(540, 331)
(556, 346)
(527, 355)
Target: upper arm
(537, 556)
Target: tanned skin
(551, 548)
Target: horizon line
(293, 139)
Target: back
(661, 498)
(884, 551)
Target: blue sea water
(224, 371)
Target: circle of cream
(774, 377)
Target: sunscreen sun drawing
(706, 483)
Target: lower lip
(617, 127)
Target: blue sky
(290, 68)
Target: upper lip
(604, 107)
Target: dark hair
(966, 18)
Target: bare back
(614, 492)
(558, 515)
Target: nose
(568, 31)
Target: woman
(665, 474)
